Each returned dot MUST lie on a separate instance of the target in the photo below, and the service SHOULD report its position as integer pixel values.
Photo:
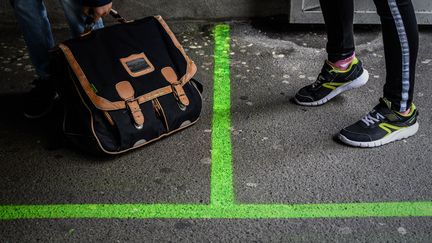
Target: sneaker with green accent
(381, 126)
(331, 82)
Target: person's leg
(395, 117)
(32, 19)
(338, 17)
(400, 35)
(342, 71)
(73, 10)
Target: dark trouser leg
(75, 17)
(33, 21)
(338, 16)
(400, 35)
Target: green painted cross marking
(222, 203)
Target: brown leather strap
(125, 90)
(178, 90)
(155, 94)
(100, 102)
(127, 93)
(191, 68)
(137, 114)
(107, 105)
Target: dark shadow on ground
(47, 130)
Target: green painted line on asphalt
(241, 211)
(222, 189)
(222, 203)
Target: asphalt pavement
(282, 153)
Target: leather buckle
(127, 93)
(178, 97)
(177, 87)
(134, 107)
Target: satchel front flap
(136, 52)
(125, 90)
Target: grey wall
(175, 9)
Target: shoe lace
(372, 118)
(319, 81)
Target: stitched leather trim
(179, 92)
(191, 67)
(127, 93)
(132, 148)
(125, 90)
(163, 113)
(102, 103)
(109, 118)
(133, 57)
(155, 94)
(135, 110)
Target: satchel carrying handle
(90, 23)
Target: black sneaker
(381, 126)
(40, 100)
(331, 82)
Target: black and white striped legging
(400, 35)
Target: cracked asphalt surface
(282, 153)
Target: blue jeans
(36, 28)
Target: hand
(97, 12)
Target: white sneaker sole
(357, 83)
(394, 136)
